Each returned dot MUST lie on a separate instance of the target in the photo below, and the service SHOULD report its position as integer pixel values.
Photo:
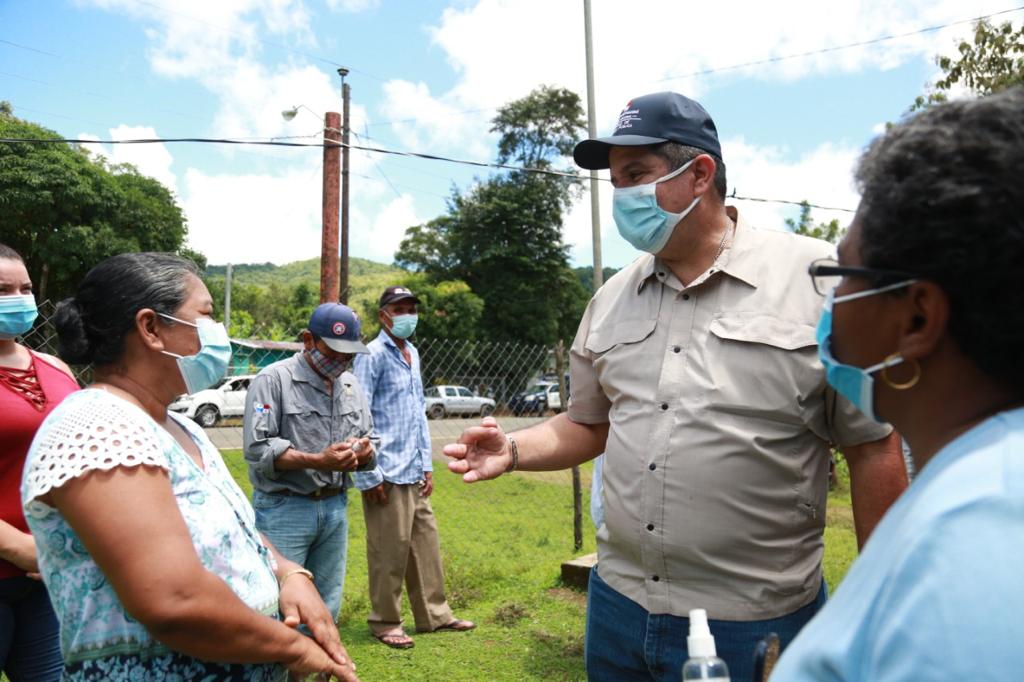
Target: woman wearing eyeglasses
(148, 547)
(925, 329)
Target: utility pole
(329, 235)
(227, 299)
(595, 205)
(345, 96)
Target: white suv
(226, 399)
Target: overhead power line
(755, 62)
(693, 74)
(836, 48)
(30, 49)
(375, 150)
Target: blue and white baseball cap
(653, 119)
(339, 327)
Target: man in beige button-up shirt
(695, 370)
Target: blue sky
(101, 69)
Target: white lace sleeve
(92, 430)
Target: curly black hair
(943, 199)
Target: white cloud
(222, 46)
(647, 48)
(241, 217)
(153, 159)
(381, 240)
(254, 218)
(353, 5)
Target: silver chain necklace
(721, 244)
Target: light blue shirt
(394, 391)
(938, 592)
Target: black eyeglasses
(826, 275)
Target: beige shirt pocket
(763, 366)
(624, 365)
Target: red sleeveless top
(20, 418)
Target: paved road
(442, 431)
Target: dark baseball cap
(393, 294)
(338, 325)
(653, 119)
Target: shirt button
(652, 466)
(655, 578)
(686, 297)
(650, 526)
(664, 406)
(676, 349)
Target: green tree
(586, 275)
(992, 62)
(64, 211)
(503, 237)
(831, 231)
(447, 310)
(544, 124)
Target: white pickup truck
(226, 399)
(444, 400)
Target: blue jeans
(311, 532)
(29, 633)
(626, 643)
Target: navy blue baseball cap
(338, 325)
(653, 119)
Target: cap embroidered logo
(338, 328)
(628, 116)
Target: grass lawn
(503, 543)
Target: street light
(289, 114)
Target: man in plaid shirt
(401, 533)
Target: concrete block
(576, 573)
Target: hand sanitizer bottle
(703, 664)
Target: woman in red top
(31, 385)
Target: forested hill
(298, 272)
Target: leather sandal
(457, 626)
(395, 640)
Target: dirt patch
(572, 596)
(510, 614)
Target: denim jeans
(311, 532)
(29, 633)
(625, 643)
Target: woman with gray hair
(148, 547)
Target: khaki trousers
(402, 544)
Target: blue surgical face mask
(853, 383)
(17, 313)
(403, 326)
(207, 367)
(641, 221)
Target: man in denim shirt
(401, 533)
(307, 424)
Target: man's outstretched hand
(482, 452)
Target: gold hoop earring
(906, 384)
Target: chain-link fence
(463, 380)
